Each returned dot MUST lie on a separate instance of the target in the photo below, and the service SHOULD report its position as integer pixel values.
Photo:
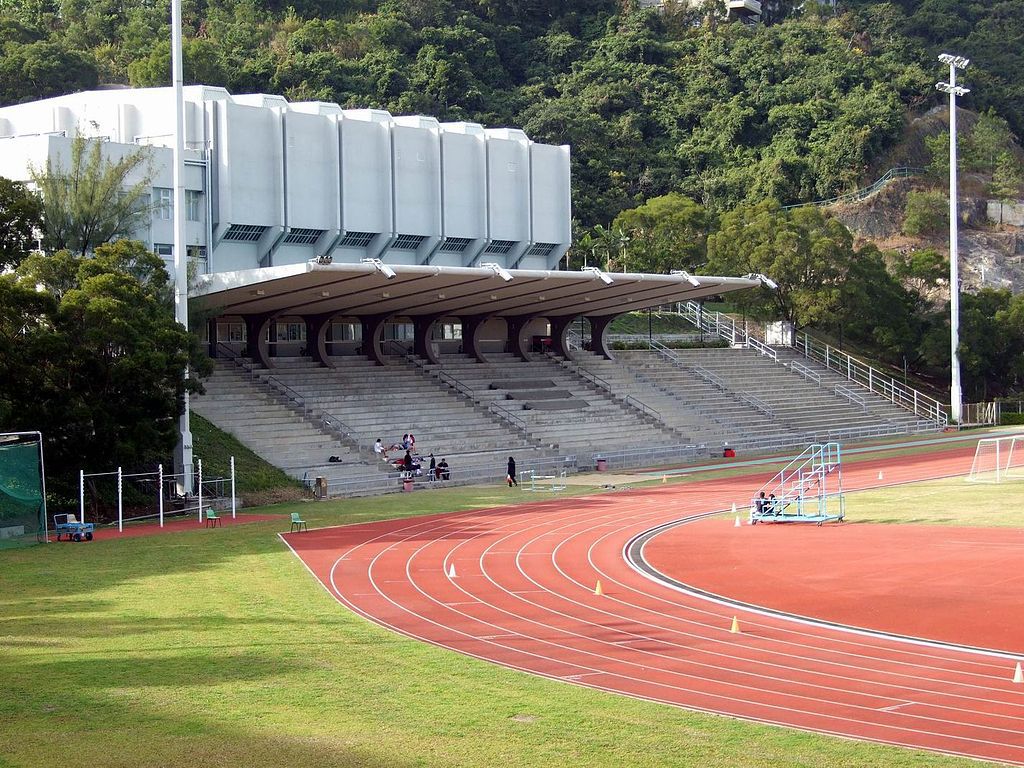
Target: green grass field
(217, 648)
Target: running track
(523, 596)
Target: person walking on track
(510, 474)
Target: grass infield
(217, 648)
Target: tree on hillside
(21, 216)
(97, 356)
(1007, 180)
(667, 232)
(94, 199)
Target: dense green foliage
(97, 357)
(21, 214)
(651, 103)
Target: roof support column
(316, 338)
(422, 345)
(516, 337)
(256, 339)
(373, 334)
(472, 327)
(598, 326)
(211, 337)
(559, 335)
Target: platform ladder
(808, 490)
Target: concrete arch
(257, 347)
(422, 343)
(373, 335)
(560, 334)
(598, 326)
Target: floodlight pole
(955, 392)
(183, 452)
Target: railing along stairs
(327, 423)
(856, 371)
(507, 415)
(714, 380)
(575, 368)
(807, 490)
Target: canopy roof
(372, 288)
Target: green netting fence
(22, 491)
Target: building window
(193, 205)
(166, 252)
(197, 257)
(448, 331)
(291, 331)
(408, 242)
(500, 246)
(231, 333)
(357, 239)
(163, 203)
(346, 332)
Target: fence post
(232, 487)
(81, 495)
(160, 492)
(199, 464)
(120, 509)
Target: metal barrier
(646, 457)
(872, 379)
(864, 192)
(852, 396)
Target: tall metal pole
(183, 452)
(955, 392)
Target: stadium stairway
(367, 402)
(791, 408)
(557, 407)
(263, 421)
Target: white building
(325, 232)
(271, 183)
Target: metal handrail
(601, 383)
(873, 380)
(852, 396)
(807, 373)
(763, 348)
(860, 194)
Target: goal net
(998, 460)
(22, 489)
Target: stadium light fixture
(381, 267)
(499, 270)
(603, 276)
(766, 281)
(686, 276)
(955, 393)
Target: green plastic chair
(212, 518)
(298, 523)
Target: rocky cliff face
(991, 254)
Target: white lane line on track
(355, 608)
(816, 712)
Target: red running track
(523, 596)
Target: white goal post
(998, 459)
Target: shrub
(927, 213)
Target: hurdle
(531, 481)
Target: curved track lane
(523, 595)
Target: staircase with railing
(808, 489)
(926, 408)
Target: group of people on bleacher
(767, 506)
(411, 465)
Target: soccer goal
(998, 460)
(22, 489)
